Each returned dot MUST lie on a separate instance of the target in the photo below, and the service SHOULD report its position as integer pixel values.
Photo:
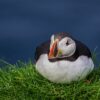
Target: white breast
(64, 71)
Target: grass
(22, 82)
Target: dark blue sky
(26, 23)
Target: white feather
(69, 49)
(64, 71)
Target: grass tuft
(22, 82)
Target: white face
(67, 46)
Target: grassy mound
(22, 82)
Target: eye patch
(67, 43)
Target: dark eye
(67, 43)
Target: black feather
(81, 49)
(42, 49)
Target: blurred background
(26, 23)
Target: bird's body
(71, 66)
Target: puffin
(63, 59)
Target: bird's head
(61, 45)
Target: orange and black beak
(53, 49)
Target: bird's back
(42, 49)
(82, 49)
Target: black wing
(82, 49)
(42, 49)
